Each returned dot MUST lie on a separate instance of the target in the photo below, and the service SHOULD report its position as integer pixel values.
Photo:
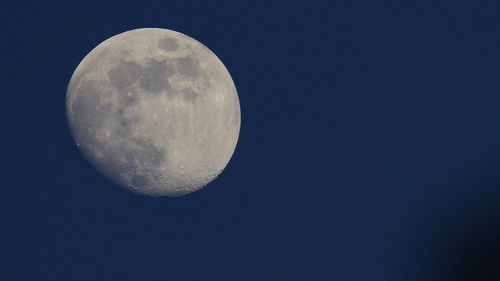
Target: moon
(155, 111)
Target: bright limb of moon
(155, 111)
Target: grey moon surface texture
(155, 111)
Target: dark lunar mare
(154, 77)
(188, 66)
(168, 44)
(122, 152)
(125, 74)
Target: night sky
(369, 146)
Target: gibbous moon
(155, 111)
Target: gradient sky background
(369, 148)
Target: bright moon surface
(155, 111)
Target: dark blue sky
(369, 148)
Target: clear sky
(369, 147)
